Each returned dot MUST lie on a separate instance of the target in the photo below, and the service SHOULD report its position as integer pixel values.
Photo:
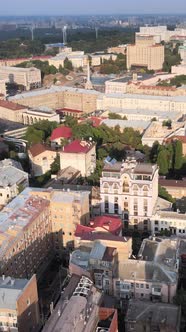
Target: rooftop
(156, 313)
(76, 310)
(61, 132)
(108, 223)
(136, 124)
(7, 68)
(77, 146)
(145, 270)
(172, 183)
(52, 90)
(17, 215)
(37, 149)
(11, 173)
(11, 106)
(10, 290)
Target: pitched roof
(11, 106)
(78, 146)
(179, 138)
(39, 148)
(61, 132)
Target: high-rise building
(145, 53)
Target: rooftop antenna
(64, 34)
(96, 29)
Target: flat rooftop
(127, 78)
(52, 90)
(10, 290)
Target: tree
(162, 161)
(34, 136)
(114, 116)
(178, 159)
(55, 166)
(68, 64)
(163, 193)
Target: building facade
(145, 53)
(130, 190)
(12, 180)
(30, 78)
(80, 154)
(41, 158)
(19, 307)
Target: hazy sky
(60, 7)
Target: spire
(88, 84)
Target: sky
(73, 7)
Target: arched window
(135, 189)
(125, 185)
(145, 191)
(115, 188)
(105, 187)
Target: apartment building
(130, 190)
(152, 317)
(173, 222)
(30, 78)
(79, 307)
(145, 53)
(86, 237)
(36, 222)
(19, 308)
(25, 242)
(12, 180)
(98, 58)
(59, 97)
(80, 154)
(41, 158)
(154, 276)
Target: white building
(80, 154)
(168, 221)
(130, 190)
(12, 180)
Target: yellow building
(58, 97)
(41, 158)
(145, 53)
(30, 78)
(36, 225)
(12, 111)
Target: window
(147, 286)
(142, 294)
(132, 285)
(141, 285)
(156, 222)
(135, 190)
(28, 302)
(156, 229)
(137, 285)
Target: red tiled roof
(38, 148)
(77, 146)
(11, 106)
(179, 138)
(110, 223)
(96, 121)
(61, 132)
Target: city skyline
(57, 7)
